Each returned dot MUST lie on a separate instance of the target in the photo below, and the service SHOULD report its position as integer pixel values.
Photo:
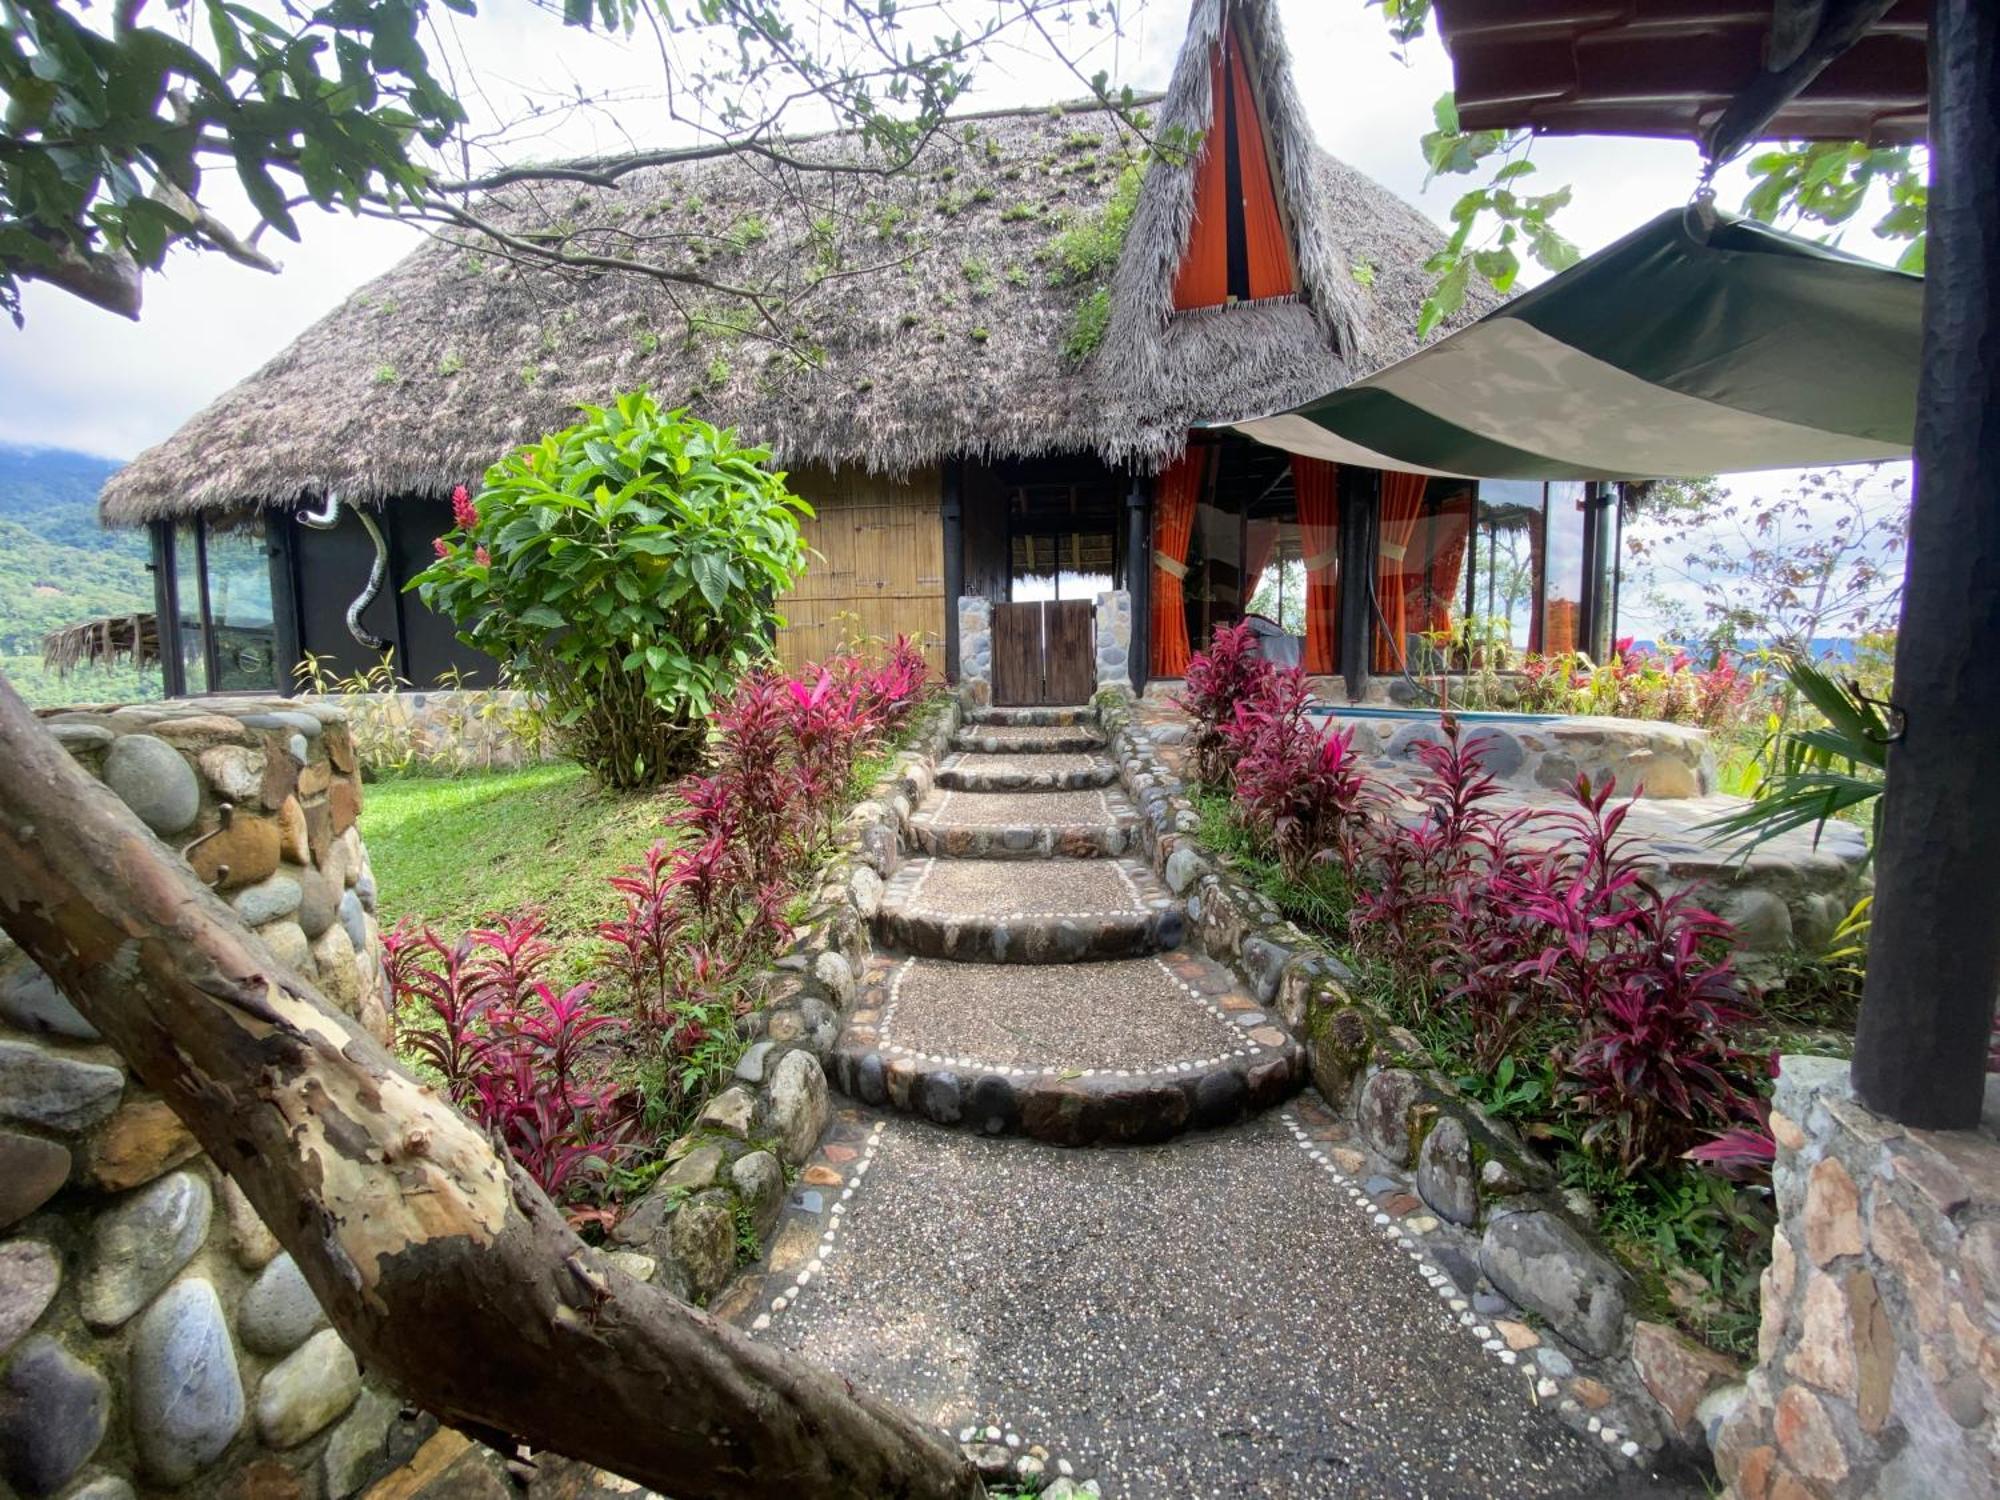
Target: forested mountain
(59, 567)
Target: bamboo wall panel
(879, 569)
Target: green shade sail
(1671, 354)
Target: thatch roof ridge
(954, 345)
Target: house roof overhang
(1719, 72)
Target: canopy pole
(1934, 958)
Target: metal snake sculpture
(326, 520)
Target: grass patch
(452, 852)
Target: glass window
(1562, 569)
(187, 607)
(1506, 545)
(1063, 565)
(238, 564)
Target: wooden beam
(1934, 957)
(1843, 23)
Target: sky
(81, 378)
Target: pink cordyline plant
(1218, 682)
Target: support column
(952, 509)
(1139, 575)
(1934, 956)
(1360, 517)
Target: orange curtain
(1402, 508)
(1175, 497)
(1203, 278)
(1319, 527)
(1270, 253)
(1447, 565)
(1260, 541)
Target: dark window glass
(1562, 570)
(187, 608)
(239, 603)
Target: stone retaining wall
(975, 651)
(1114, 640)
(154, 1336)
(441, 729)
(1482, 1202)
(725, 1181)
(1878, 1370)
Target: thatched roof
(930, 302)
(103, 642)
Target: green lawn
(450, 852)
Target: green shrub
(625, 569)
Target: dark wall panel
(430, 642)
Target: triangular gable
(1238, 248)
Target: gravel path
(1207, 1318)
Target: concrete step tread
(1010, 891)
(995, 739)
(974, 771)
(1041, 714)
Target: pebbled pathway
(1218, 1313)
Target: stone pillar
(975, 651)
(1878, 1369)
(153, 1334)
(1114, 640)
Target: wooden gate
(1044, 653)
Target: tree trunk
(438, 1260)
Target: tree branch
(440, 1262)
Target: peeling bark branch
(438, 1260)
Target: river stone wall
(445, 730)
(153, 1337)
(725, 1182)
(1479, 1200)
(1878, 1370)
(975, 651)
(1650, 758)
(1114, 640)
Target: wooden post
(1360, 514)
(1934, 958)
(1139, 577)
(951, 501)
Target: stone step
(1044, 717)
(1024, 772)
(1091, 1054)
(1024, 825)
(1028, 739)
(1047, 911)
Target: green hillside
(58, 567)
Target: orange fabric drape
(1175, 497)
(1319, 527)
(1402, 508)
(1270, 253)
(1203, 277)
(1447, 566)
(1260, 541)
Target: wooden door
(1017, 654)
(1069, 654)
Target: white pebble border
(829, 1239)
(1243, 1020)
(1541, 1387)
(1028, 1465)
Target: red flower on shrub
(464, 514)
(439, 546)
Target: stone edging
(1490, 1190)
(683, 1233)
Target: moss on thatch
(483, 353)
